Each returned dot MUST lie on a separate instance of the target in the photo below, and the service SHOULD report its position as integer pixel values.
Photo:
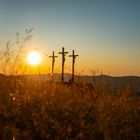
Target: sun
(34, 58)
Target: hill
(108, 82)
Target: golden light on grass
(34, 58)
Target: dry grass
(34, 110)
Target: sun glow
(34, 58)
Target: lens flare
(34, 58)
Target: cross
(63, 61)
(53, 61)
(73, 62)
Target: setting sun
(34, 58)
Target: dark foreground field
(32, 110)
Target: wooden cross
(63, 61)
(53, 61)
(73, 62)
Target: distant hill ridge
(109, 82)
(85, 78)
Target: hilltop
(109, 82)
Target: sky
(104, 33)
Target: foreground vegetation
(32, 110)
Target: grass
(33, 110)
